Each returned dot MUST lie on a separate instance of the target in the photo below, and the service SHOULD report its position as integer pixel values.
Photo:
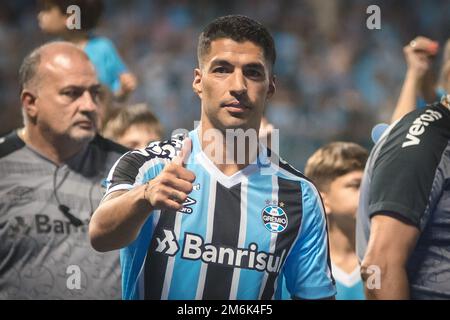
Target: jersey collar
(227, 181)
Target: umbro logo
(186, 205)
(168, 245)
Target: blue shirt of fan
(106, 60)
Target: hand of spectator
(170, 188)
(128, 84)
(418, 80)
(418, 54)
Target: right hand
(170, 188)
(418, 54)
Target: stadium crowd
(335, 77)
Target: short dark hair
(91, 10)
(29, 68)
(238, 28)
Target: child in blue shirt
(54, 19)
(337, 169)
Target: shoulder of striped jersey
(107, 145)
(290, 169)
(297, 175)
(166, 149)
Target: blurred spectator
(112, 72)
(336, 78)
(444, 80)
(133, 127)
(337, 170)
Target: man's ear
(28, 100)
(272, 87)
(197, 83)
(326, 202)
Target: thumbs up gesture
(170, 188)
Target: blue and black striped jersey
(234, 235)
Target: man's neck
(228, 156)
(55, 150)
